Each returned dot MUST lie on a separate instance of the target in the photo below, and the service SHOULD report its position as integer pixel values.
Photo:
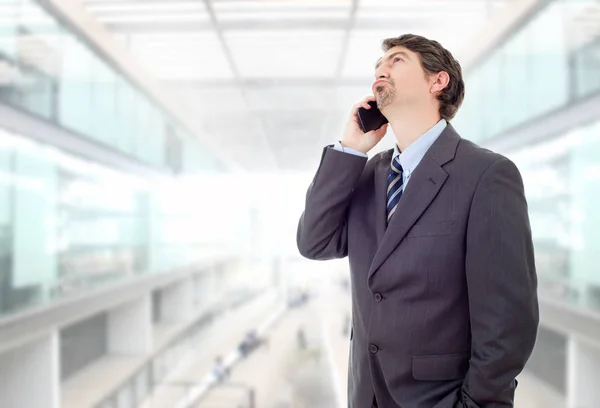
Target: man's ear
(440, 81)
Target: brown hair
(435, 58)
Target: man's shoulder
(476, 159)
(380, 155)
(376, 158)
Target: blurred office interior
(155, 155)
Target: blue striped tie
(394, 191)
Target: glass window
(9, 70)
(47, 70)
(584, 188)
(491, 94)
(36, 92)
(155, 140)
(38, 56)
(516, 80)
(8, 27)
(549, 62)
(472, 117)
(103, 94)
(125, 116)
(553, 58)
(141, 136)
(34, 217)
(99, 213)
(6, 227)
(65, 224)
(562, 182)
(586, 65)
(75, 97)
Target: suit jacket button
(378, 297)
(373, 349)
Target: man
(220, 371)
(437, 233)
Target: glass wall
(68, 225)
(550, 61)
(562, 182)
(47, 70)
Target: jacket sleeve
(502, 287)
(323, 228)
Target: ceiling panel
(105, 7)
(279, 5)
(136, 12)
(165, 55)
(285, 53)
(364, 46)
(281, 102)
(207, 102)
(294, 98)
(283, 15)
(435, 19)
(181, 56)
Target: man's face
(400, 80)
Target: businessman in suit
(444, 302)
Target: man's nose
(382, 72)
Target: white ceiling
(272, 81)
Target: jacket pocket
(440, 367)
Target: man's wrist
(345, 149)
(346, 145)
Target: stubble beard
(385, 95)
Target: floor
(282, 374)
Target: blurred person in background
(220, 371)
(444, 287)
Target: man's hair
(435, 58)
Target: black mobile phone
(371, 119)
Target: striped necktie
(394, 191)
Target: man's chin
(383, 101)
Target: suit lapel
(382, 168)
(425, 183)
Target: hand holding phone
(361, 132)
(371, 119)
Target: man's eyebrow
(404, 54)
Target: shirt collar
(412, 155)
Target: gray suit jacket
(444, 300)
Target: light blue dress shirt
(412, 155)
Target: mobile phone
(371, 119)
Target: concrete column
(30, 375)
(177, 302)
(582, 374)
(130, 328)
